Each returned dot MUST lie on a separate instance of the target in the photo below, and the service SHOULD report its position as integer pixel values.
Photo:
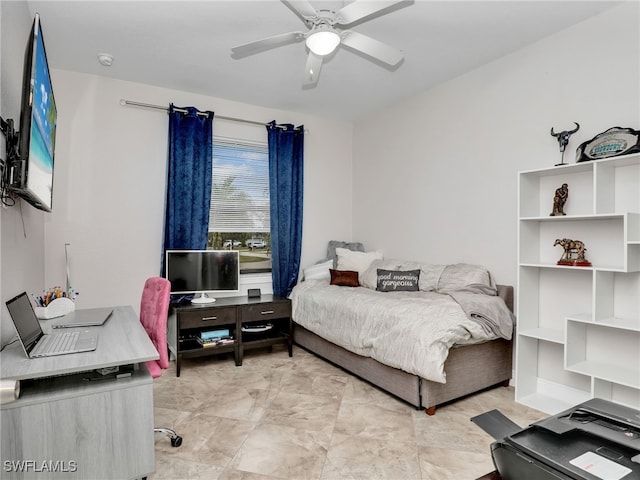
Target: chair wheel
(176, 441)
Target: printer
(595, 440)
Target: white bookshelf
(578, 332)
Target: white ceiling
(185, 45)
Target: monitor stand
(202, 298)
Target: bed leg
(506, 383)
(430, 410)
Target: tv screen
(202, 272)
(32, 174)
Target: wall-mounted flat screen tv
(31, 173)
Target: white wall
(435, 177)
(110, 182)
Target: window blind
(240, 187)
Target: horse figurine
(573, 252)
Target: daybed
(388, 337)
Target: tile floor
(277, 417)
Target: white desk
(70, 427)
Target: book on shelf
(216, 342)
(214, 334)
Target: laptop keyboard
(60, 342)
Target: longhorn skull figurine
(563, 139)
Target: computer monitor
(203, 272)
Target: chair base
(176, 440)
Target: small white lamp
(323, 40)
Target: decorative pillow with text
(398, 280)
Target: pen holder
(56, 308)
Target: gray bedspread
(481, 305)
(412, 331)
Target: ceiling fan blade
(358, 10)
(312, 70)
(371, 47)
(266, 44)
(302, 8)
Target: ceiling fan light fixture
(323, 41)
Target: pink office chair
(154, 309)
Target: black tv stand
(250, 322)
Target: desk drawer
(265, 311)
(208, 317)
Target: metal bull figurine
(563, 139)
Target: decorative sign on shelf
(573, 254)
(610, 143)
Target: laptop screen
(25, 320)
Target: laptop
(87, 317)
(38, 344)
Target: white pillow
(319, 271)
(356, 261)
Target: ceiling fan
(326, 31)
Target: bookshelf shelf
(579, 327)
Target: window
(239, 214)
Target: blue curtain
(188, 194)
(286, 162)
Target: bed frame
(469, 368)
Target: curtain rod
(182, 110)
